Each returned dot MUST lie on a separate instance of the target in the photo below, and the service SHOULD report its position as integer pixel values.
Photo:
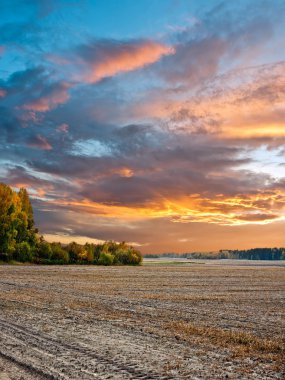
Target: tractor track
(33, 350)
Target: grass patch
(228, 338)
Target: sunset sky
(157, 122)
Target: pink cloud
(106, 59)
(49, 99)
(40, 142)
(63, 128)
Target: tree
(25, 220)
(23, 252)
(26, 207)
(9, 209)
(44, 251)
(59, 255)
(19, 238)
(105, 259)
(89, 248)
(75, 252)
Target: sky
(156, 122)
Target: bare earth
(188, 321)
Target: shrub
(105, 259)
(44, 250)
(59, 255)
(23, 252)
(128, 256)
(134, 256)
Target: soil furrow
(76, 353)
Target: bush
(44, 250)
(105, 259)
(134, 257)
(4, 257)
(23, 252)
(59, 255)
(128, 256)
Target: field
(198, 320)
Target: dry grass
(229, 339)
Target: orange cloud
(118, 58)
(260, 208)
(252, 109)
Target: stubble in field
(149, 322)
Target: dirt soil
(151, 322)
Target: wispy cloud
(105, 58)
(40, 142)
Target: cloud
(18, 176)
(3, 93)
(193, 61)
(39, 142)
(35, 89)
(160, 233)
(49, 98)
(169, 152)
(188, 178)
(244, 103)
(63, 128)
(106, 58)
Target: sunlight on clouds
(181, 119)
(261, 208)
(254, 131)
(113, 57)
(68, 238)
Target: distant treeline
(248, 254)
(20, 240)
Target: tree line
(20, 239)
(247, 254)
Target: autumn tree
(19, 239)
(9, 210)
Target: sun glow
(262, 208)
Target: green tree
(59, 255)
(74, 251)
(9, 208)
(44, 251)
(105, 259)
(23, 252)
(19, 239)
(26, 207)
